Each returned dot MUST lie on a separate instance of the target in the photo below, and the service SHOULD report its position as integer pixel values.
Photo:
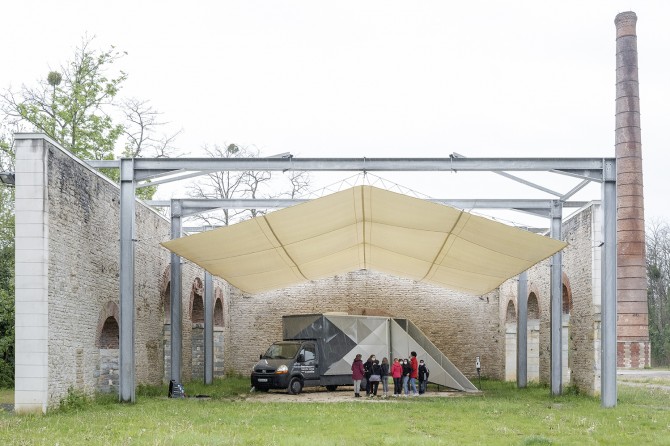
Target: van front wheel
(294, 386)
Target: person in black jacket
(375, 378)
(368, 372)
(406, 372)
(423, 377)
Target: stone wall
(82, 256)
(83, 275)
(69, 219)
(581, 266)
(461, 326)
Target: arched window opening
(218, 313)
(533, 307)
(567, 301)
(109, 337)
(198, 310)
(511, 312)
(167, 316)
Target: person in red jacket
(415, 373)
(396, 373)
(357, 374)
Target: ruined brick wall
(580, 273)
(83, 276)
(461, 326)
(578, 262)
(83, 212)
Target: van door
(310, 364)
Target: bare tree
(247, 184)
(658, 291)
(226, 184)
(141, 130)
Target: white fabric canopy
(366, 228)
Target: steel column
(608, 356)
(175, 297)
(209, 328)
(127, 284)
(522, 331)
(556, 303)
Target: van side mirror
(301, 358)
(260, 356)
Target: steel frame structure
(143, 172)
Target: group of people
(405, 374)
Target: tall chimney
(633, 348)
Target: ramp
(406, 337)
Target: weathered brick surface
(461, 326)
(83, 279)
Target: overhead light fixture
(7, 178)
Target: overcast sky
(374, 78)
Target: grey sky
(374, 78)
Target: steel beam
(522, 331)
(127, 285)
(175, 297)
(191, 206)
(608, 352)
(556, 304)
(209, 329)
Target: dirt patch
(342, 395)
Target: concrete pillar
(632, 322)
(31, 363)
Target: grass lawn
(6, 396)
(502, 415)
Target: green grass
(654, 381)
(6, 396)
(503, 415)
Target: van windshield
(281, 351)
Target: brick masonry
(83, 267)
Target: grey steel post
(127, 283)
(556, 305)
(175, 296)
(608, 358)
(522, 331)
(209, 328)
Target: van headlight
(282, 369)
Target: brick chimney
(633, 348)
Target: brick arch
(566, 295)
(197, 307)
(218, 307)
(108, 326)
(165, 296)
(533, 306)
(510, 315)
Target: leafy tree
(76, 104)
(658, 291)
(6, 268)
(73, 105)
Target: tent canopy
(366, 228)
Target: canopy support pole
(522, 331)
(556, 303)
(209, 329)
(608, 349)
(175, 296)
(127, 283)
